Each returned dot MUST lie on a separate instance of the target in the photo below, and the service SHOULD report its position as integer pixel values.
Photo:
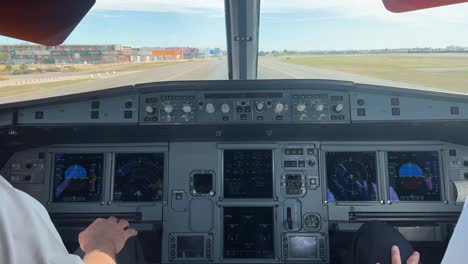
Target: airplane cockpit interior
(244, 170)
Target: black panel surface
(248, 232)
(414, 176)
(352, 176)
(248, 174)
(190, 247)
(78, 177)
(138, 177)
(303, 247)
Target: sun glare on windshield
(132, 42)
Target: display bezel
(192, 183)
(441, 176)
(285, 238)
(324, 172)
(229, 147)
(205, 236)
(52, 176)
(112, 177)
(249, 260)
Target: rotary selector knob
(225, 108)
(338, 108)
(260, 106)
(301, 107)
(187, 108)
(319, 107)
(168, 108)
(210, 108)
(149, 109)
(279, 107)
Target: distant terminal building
(28, 54)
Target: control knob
(338, 108)
(210, 108)
(260, 106)
(301, 107)
(319, 107)
(225, 108)
(149, 109)
(187, 108)
(279, 107)
(168, 108)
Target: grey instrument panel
(186, 104)
(298, 199)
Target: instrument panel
(255, 205)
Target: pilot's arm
(27, 235)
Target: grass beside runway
(441, 71)
(8, 91)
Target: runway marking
(284, 72)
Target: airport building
(29, 54)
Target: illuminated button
(39, 115)
(361, 112)
(128, 114)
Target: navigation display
(302, 247)
(248, 174)
(414, 175)
(352, 176)
(138, 177)
(78, 177)
(190, 247)
(248, 232)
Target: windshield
(126, 42)
(361, 41)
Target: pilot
(27, 234)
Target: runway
(211, 69)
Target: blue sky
(285, 24)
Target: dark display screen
(203, 183)
(352, 176)
(248, 232)
(294, 151)
(190, 247)
(414, 176)
(248, 174)
(78, 177)
(138, 177)
(302, 247)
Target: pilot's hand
(106, 235)
(396, 258)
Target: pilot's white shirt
(27, 235)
